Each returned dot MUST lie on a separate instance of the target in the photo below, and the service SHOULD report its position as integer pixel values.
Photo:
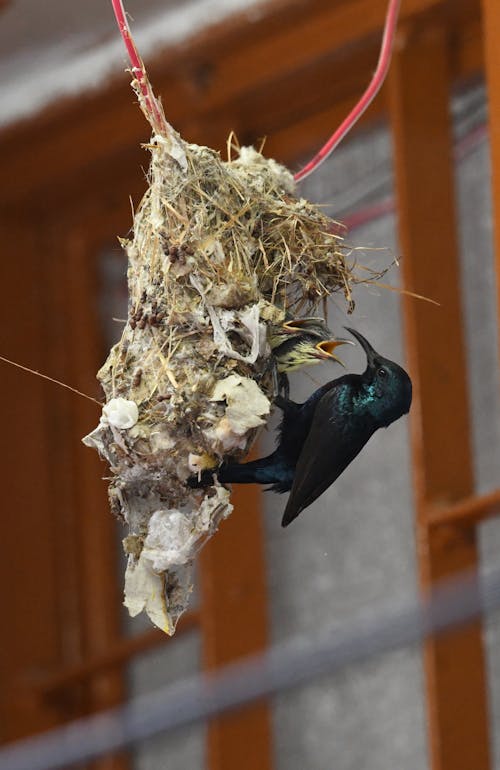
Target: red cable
(158, 119)
(155, 112)
(368, 96)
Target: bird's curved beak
(371, 354)
(324, 350)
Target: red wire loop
(367, 98)
(157, 119)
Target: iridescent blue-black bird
(321, 437)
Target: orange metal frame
(64, 654)
(419, 114)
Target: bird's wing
(332, 443)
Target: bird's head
(387, 387)
(307, 352)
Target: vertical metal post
(28, 582)
(96, 532)
(59, 585)
(234, 624)
(83, 536)
(454, 664)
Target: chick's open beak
(324, 350)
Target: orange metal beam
(72, 271)
(470, 511)
(234, 624)
(342, 25)
(455, 669)
(257, 77)
(117, 655)
(31, 639)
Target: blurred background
(413, 181)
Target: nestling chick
(303, 342)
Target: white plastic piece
(246, 408)
(120, 413)
(170, 540)
(145, 590)
(246, 403)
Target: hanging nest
(221, 252)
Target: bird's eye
(382, 372)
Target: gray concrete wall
(183, 750)
(354, 547)
(478, 287)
